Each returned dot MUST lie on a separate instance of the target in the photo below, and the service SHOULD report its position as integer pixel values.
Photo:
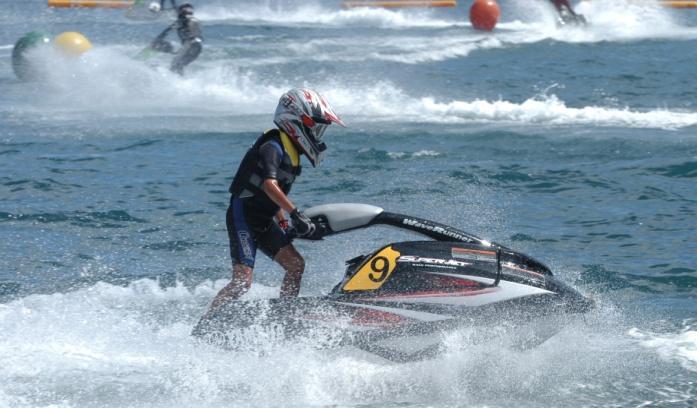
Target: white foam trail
(610, 20)
(452, 37)
(393, 105)
(317, 14)
(78, 347)
(630, 20)
(402, 48)
(420, 153)
(416, 50)
(130, 347)
(108, 83)
(680, 347)
(552, 111)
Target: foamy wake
(309, 13)
(630, 20)
(449, 33)
(384, 102)
(550, 110)
(108, 83)
(680, 347)
(420, 153)
(130, 346)
(610, 20)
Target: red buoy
(484, 14)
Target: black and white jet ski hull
(401, 300)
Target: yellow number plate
(375, 271)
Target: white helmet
(304, 115)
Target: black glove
(303, 226)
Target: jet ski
(402, 299)
(570, 19)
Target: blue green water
(577, 146)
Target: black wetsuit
(250, 216)
(189, 31)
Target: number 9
(379, 265)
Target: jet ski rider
(561, 5)
(259, 193)
(189, 31)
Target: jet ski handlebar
(330, 219)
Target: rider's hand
(302, 224)
(154, 7)
(283, 224)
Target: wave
(450, 35)
(319, 14)
(390, 104)
(130, 346)
(630, 20)
(611, 20)
(420, 153)
(112, 83)
(550, 110)
(522, 21)
(680, 347)
(108, 83)
(686, 169)
(404, 48)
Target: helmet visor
(319, 131)
(315, 127)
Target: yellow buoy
(72, 43)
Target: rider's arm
(271, 154)
(159, 43)
(162, 35)
(273, 190)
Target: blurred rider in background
(566, 13)
(189, 30)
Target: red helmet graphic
(304, 115)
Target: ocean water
(577, 146)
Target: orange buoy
(484, 14)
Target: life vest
(188, 30)
(250, 176)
